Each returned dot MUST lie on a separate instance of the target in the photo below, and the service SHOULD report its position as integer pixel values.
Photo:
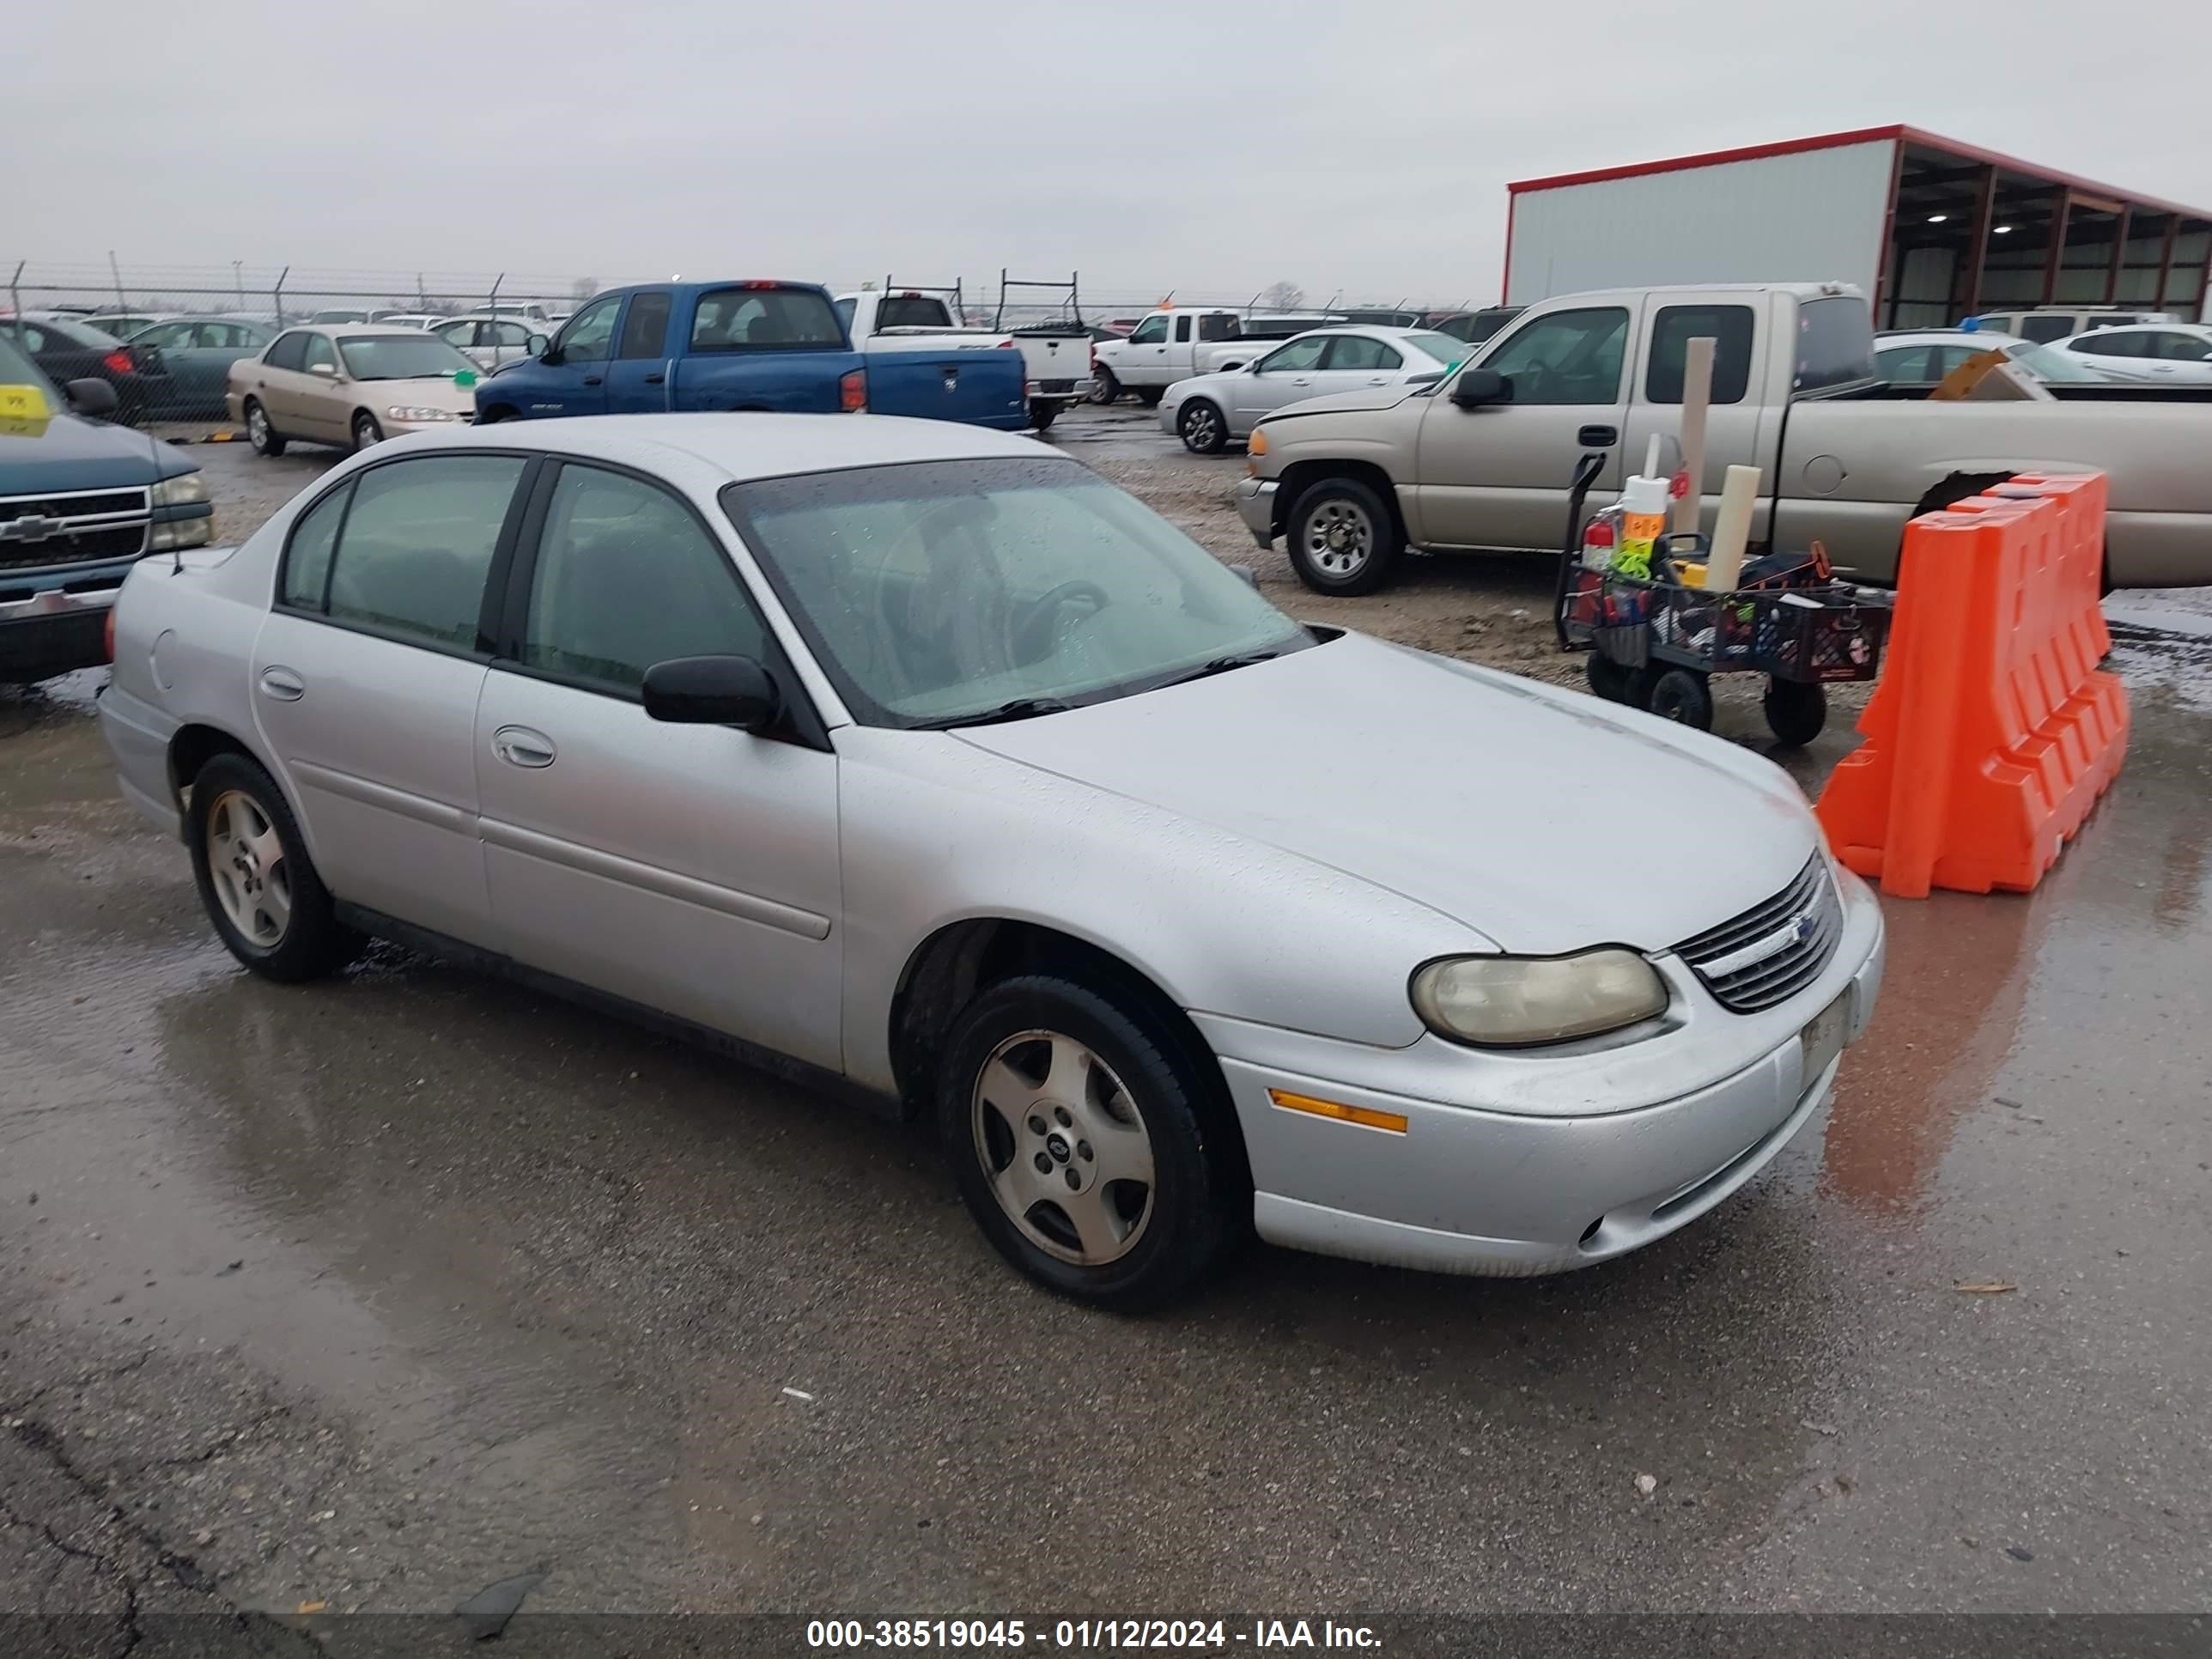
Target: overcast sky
(1210, 148)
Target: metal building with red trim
(1932, 229)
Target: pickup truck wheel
(1104, 388)
(1083, 1144)
(259, 433)
(1796, 711)
(1150, 396)
(1042, 413)
(1681, 695)
(366, 433)
(1201, 427)
(260, 889)
(1342, 538)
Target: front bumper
(1468, 1189)
(54, 632)
(1255, 505)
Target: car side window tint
(2042, 330)
(1297, 357)
(1565, 357)
(319, 351)
(645, 330)
(307, 553)
(418, 544)
(1903, 365)
(1217, 326)
(1358, 351)
(2174, 347)
(1728, 327)
(627, 577)
(591, 331)
(1151, 332)
(290, 352)
(1182, 328)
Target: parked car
(124, 323)
(66, 349)
(1483, 460)
(490, 341)
(1926, 356)
(423, 319)
(1055, 357)
(930, 761)
(340, 314)
(2045, 324)
(760, 345)
(1171, 345)
(81, 502)
(1207, 410)
(352, 385)
(532, 312)
(2177, 354)
(197, 353)
(1471, 326)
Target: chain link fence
(164, 336)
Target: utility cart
(1655, 642)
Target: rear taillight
(852, 392)
(107, 635)
(1094, 357)
(1005, 345)
(118, 362)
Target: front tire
(1203, 429)
(1085, 1147)
(259, 433)
(1342, 538)
(366, 433)
(260, 889)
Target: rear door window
(1905, 365)
(2042, 330)
(2117, 342)
(1218, 326)
(769, 318)
(644, 331)
(290, 352)
(1356, 351)
(2174, 347)
(1673, 327)
(417, 547)
(1183, 329)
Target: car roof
(739, 448)
(1944, 336)
(2203, 331)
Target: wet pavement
(373, 1292)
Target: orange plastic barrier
(1992, 733)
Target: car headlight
(410, 412)
(181, 491)
(180, 532)
(1512, 1002)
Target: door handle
(655, 380)
(1378, 379)
(1598, 437)
(518, 746)
(282, 684)
(1303, 380)
(591, 380)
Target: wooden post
(1696, 396)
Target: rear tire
(1138, 1195)
(1683, 695)
(1042, 413)
(1104, 388)
(366, 433)
(1203, 429)
(1342, 538)
(1796, 711)
(259, 434)
(260, 889)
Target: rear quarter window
(1835, 344)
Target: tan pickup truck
(1482, 460)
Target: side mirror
(713, 691)
(90, 398)
(1479, 386)
(328, 370)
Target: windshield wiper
(1222, 665)
(1020, 709)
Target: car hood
(64, 453)
(1544, 819)
(1381, 397)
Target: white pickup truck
(1173, 343)
(1056, 361)
(1482, 458)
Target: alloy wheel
(246, 861)
(1063, 1147)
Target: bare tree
(583, 288)
(1282, 296)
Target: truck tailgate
(981, 388)
(1056, 362)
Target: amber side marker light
(1390, 1122)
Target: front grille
(90, 504)
(1798, 928)
(74, 547)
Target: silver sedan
(910, 758)
(1208, 411)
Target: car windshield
(402, 357)
(945, 591)
(2048, 365)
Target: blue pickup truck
(745, 346)
(80, 503)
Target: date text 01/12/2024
(1083, 1634)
